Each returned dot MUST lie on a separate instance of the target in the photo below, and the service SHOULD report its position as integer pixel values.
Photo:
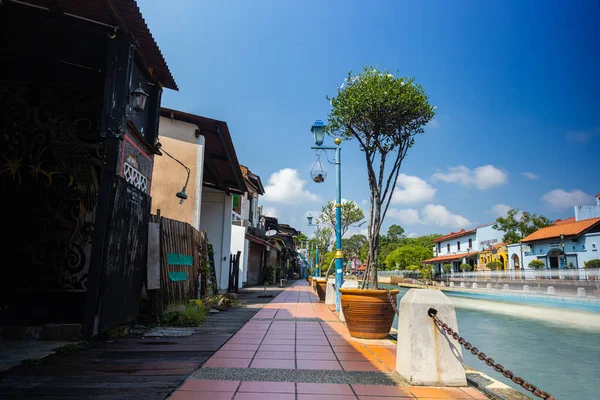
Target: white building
(245, 214)
(575, 239)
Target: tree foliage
(353, 245)
(352, 215)
(324, 240)
(536, 264)
(404, 256)
(395, 233)
(466, 267)
(447, 268)
(494, 265)
(383, 113)
(519, 224)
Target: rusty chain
(392, 301)
(432, 312)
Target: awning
(221, 168)
(124, 14)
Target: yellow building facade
(498, 252)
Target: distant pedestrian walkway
(297, 348)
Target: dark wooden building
(80, 93)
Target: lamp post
(562, 243)
(318, 130)
(309, 219)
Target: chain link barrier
(432, 312)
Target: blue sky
(515, 83)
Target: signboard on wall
(485, 243)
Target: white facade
(456, 245)
(487, 236)
(216, 220)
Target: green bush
(447, 268)
(595, 263)
(536, 264)
(267, 274)
(425, 273)
(466, 267)
(495, 265)
(413, 267)
(192, 315)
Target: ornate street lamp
(318, 130)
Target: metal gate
(126, 255)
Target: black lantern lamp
(139, 98)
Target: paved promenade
(297, 348)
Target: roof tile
(567, 229)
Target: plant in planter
(536, 264)
(321, 286)
(383, 113)
(494, 265)
(466, 267)
(447, 268)
(592, 267)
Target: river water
(554, 346)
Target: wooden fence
(183, 251)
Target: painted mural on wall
(51, 157)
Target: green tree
(395, 233)
(466, 267)
(324, 240)
(353, 245)
(352, 215)
(384, 113)
(494, 265)
(404, 256)
(519, 224)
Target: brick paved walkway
(297, 348)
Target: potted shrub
(536, 265)
(494, 265)
(466, 267)
(384, 113)
(592, 267)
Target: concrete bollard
(474, 286)
(451, 284)
(330, 292)
(488, 286)
(442, 284)
(426, 355)
(551, 290)
(462, 284)
(526, 288)
(505, 287)
(352, 284)
(581, 292)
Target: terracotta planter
(314, 284)
(321, 285)
(368, 313)
(310, 280)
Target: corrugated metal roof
(127, 16)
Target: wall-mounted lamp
(139, 98)
(181, 195)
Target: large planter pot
(321, 285)
(368, 313)
(314, 284)
(309, 279)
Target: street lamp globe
(318, 130)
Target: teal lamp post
(309, 219)
(318, 130)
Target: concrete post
(426, 355)
(462, 284)
(474, 286)
(330, 292)
(488, 286)
(581, 292)
(505, 287)
(451, 284)
(442, 283)
(551, 290)
(526, 288)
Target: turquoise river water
(553, 345)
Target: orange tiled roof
(451, 235)
(568, 229)
(448, 257)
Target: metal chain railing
(432, 312)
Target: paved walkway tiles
(296, 341)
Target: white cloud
(436, 214)
(286, 186)
(499, 210)
(559, 199)
(484, 177)
(407, 216)
(413, 235)
(530, 175)
(412, 189)
(430, 214)
(270, 212)
(364, 202)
